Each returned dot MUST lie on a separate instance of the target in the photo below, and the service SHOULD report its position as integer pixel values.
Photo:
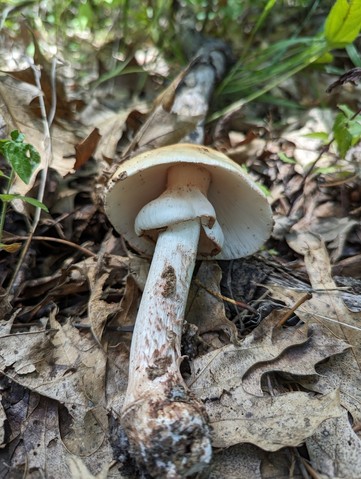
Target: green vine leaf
(346, 130)
(32, 201)
(23, 157)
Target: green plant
(23, 159)
(346, 129)
(265, 68)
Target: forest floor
(272, 342)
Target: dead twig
(220, 296)
(85, 251)
(47, 121)
(303, 299)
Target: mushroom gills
(184, 199)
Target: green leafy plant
(23, 159)
(346, 129)
(266, 68)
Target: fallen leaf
(243, 460)
(162, 128)
(231, 363)
(342, 372)
(128, 307)
(236, 415)
(78, 470)
(204, 309)
(36, 441)
(58, 363)
(268, 422)
(298, 361)
(99, 309)
(64, 109)
(85, 149)
(335, 449)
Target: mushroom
(181, 202)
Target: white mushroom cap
(242, 210)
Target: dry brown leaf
(85, 149)
(230, 363)
(326, 307)
(128, 307)
(64, 108)
(36, 441)
(58, 363)
(162, 128)
(205, 310)
(268, 422)
(243, 460)
(335, 449)
(167, 123)
(78, 470)
(111, 129)
(117, 373)
(68, 367)
(341, 372)
(298, 360)
(34, 423)
(97, 271)
(99, 310)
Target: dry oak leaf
(326, 307)
(251, 462)
(297, 360)
(270, 423)
(64, 108)
(98, 271)
(236, 415)
(233, 362)
(204, 309)
(164, 126)
(67, 367)
(335, 449)
(36, 444)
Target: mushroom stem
(166, 426)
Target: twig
(86, 251)
(324, 150)
(118, 329)
(47, 162)
(309, 468)
(220, 296)
(289, 313)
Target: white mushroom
(180, 201)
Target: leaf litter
(268, 389)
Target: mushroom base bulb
(170, 439)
